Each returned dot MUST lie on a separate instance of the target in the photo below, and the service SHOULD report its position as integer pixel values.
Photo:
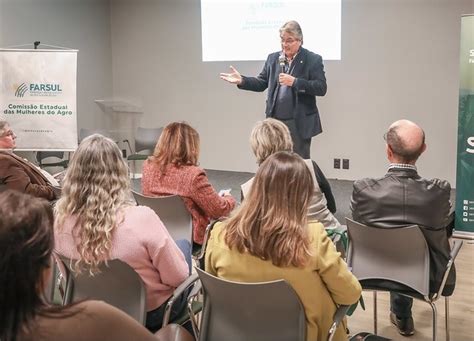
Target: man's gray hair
(399, 147)
(3, 124)
(293, 28)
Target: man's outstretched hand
(234, 77)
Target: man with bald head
(402, 198)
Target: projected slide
(248, 29)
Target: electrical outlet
(337, 163)
(345, 163)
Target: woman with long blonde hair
(96, 221)
(269, 238)
(173, 170)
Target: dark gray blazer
(310, 82)
(402, 198)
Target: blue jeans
(185, 246)
(154, 318)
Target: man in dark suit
(294, 77)
(402, 198)
(19, 174)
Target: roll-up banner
(464, 223)
(38, 97)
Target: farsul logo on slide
(38, 89)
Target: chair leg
(375, 312)
(192, 318)
(435, 317)
(446, 312)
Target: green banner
(465, 157)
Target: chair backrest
(136, 184)
(57, 191)
(172, 212)
(51, 159)
(146, 138)
(43, 154)
(117, 284)
(50, 283)
(250, 311)
(400, 255)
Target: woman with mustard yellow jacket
(269, 238)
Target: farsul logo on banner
(37, 89)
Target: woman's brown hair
(26, 244)
(178, 145)
(272, 221)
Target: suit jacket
(308, 69)
(20, 175)
(402, 198)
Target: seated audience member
(173, 170)
(97, 221)
(17, 173)
(26, 244)
(402, 198)
(270, 136)
(269, 238)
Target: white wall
(400, 58)
(77, 24)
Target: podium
(121, 119)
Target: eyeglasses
(385, 136)
(289, 41)
(9, 133)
